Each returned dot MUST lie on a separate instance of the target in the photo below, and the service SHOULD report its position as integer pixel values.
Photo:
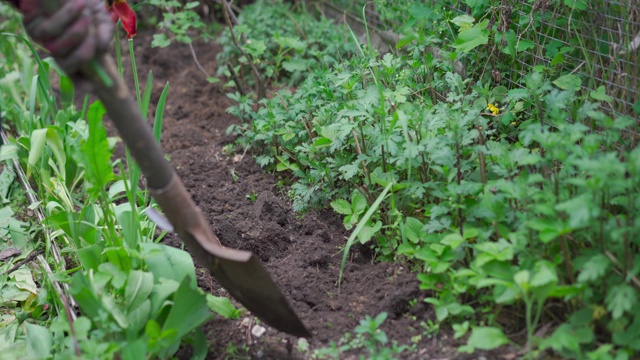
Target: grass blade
(359, 228)
(157, 124)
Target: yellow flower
(494, 109)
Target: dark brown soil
(302, 252)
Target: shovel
(239, 272)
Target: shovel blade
(241, 273)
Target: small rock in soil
(258, 331)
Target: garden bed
(249, 210)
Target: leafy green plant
(500, 196)
(132, 304)
(368, 337)
(181, 22)
(282, 44)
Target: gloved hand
(74, 33)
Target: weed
(252, 197)
(368, 337)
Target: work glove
(74, 33)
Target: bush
(521, 197)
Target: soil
(302, 252)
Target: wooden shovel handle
(162, 180)
(131, 125)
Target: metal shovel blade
(239, 272)
(243, 276)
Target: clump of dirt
(302, 252)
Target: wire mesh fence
(598, 40)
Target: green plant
(369, 337)
(132, 304)
(181, 22)
(283, 44)
(252, 197)
(514, 193)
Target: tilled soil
(302, 252)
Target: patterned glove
(74, 33)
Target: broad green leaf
(322, 142)
(349, 171)
(341, 206)
(96, 153)
(37, 139)
(566, 291)
(568, 82)
(39, 341)
(420, 11)
(84, 294)
(222, 306)
(129, 223)
(473, 37)
(295, 65)
(8, 335)
(367, 232)
(139, 316)
(135, 350)
(8, 152)
(503, 294)
(464, 22)
(24, 280)
(563, 338)
(200, 345)
(160, 40)
(120, 257)
(522, 278)
(358, 202)
(511, 42)
(290, 42)
(544, 274)
(81, 326)
(630, 337)
(524, 45)
(453, 240)
(189, 310)
(460, 330)
(66, 91)
(255, 47)
(620, 299)
(90, 256)
(517, 94)
(162, 290)
(406, 249)
(581, 210)
(169, 262)
(487, 338)
(109, 304)
(577, 4)
(139, 287)
(600, 94)
(56, 144)
(118, 277)
(594, 268)
(413, 229)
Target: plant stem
(134, 69)
(259, 82)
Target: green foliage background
(531, 211)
